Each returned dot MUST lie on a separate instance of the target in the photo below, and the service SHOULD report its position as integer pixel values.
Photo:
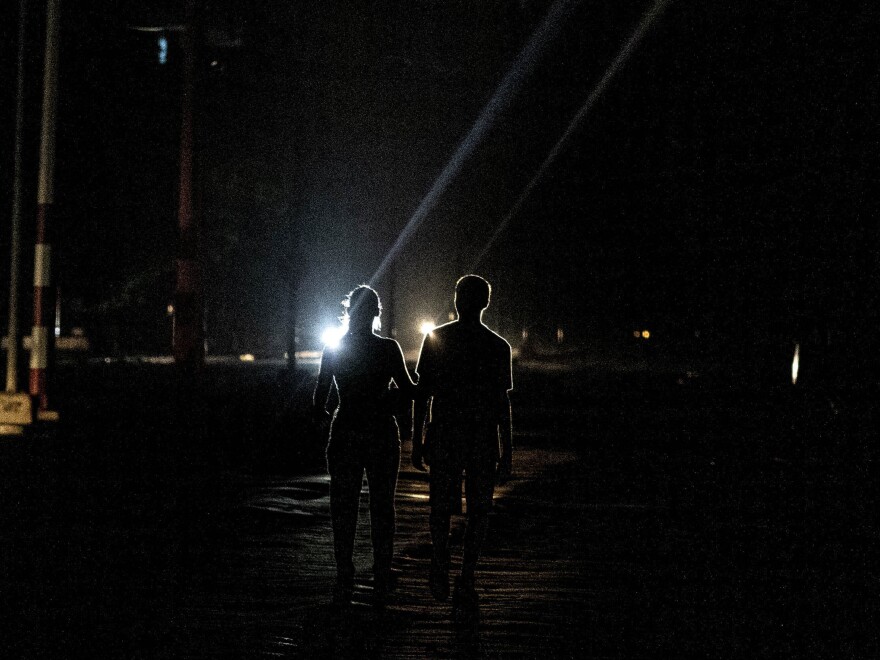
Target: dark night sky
(725, 180)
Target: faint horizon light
(163, 49)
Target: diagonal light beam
(623, 55)
(504, 93)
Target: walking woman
(364, 436)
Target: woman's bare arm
(322, 387)
(401, 377)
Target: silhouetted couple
(462, 429)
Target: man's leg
(479, 489)
(346, 479)
(443, 480)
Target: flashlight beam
(623, 55)
(504, 93)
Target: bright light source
(795, 364)
(169, 310)
(646, 334)
(247, 357)
(332, 336)
(427, 327)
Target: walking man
(464, 371)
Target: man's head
(472, 295)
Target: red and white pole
(16, 408)
(43, 335)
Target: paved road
(532, 580)
(645, 521)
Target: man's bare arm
(505, 432)
(418, 440)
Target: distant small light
(247, 357)
(286, 355)
(57, 331)
(169, 310)
(646, 334)
(214, 62)
(560, 335)
(427, 327)
(795, 364)
(163, 50)
(451, 316)
(637, 334)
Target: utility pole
(188, 334)
(16, 410)
(43, 333)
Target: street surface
(650, 516)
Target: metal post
(188, 334)
(15, 249)
(43, 335)
(16, 408)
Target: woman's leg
(382, 477)
(346, 478)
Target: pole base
(16, 409)
(48, 416)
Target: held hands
(418, 458)
(320, 415)
(418, 455)
(505, 468)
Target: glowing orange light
(646, 334)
